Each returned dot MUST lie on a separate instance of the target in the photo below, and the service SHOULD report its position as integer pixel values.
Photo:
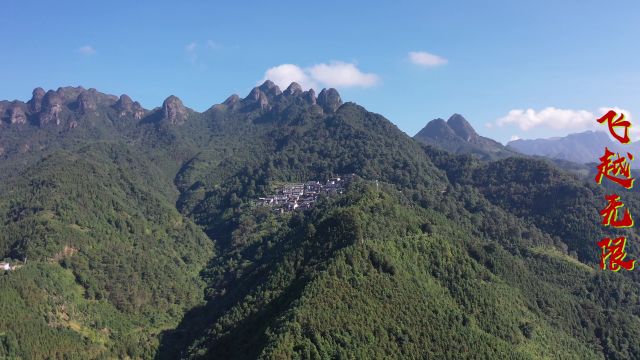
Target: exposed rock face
(309, 96)
(4, 106)
(254, 95)
(462, 128)
(330, 100)
(259, 98)
(69, 93)
(35, 104)
(124, 105)
(263, 97)
(87, 102)
(174, 111)
(17, 115)
(270, 89)
(138, 111)
(51, 108)
(437, 129)
(127, 107)
(293, 90)
(232, 100)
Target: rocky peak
(270, 89)
(437, 129)
(462, 128)
(17, 114)
(87, 101)
(329, 99)
(293, 90)
(258, 97)
(51, 108)
(69, 93)
(35, 104)
(125, 106)
(232, 100)
(173, 110)
(124, 103)
(309, 96)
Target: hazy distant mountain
(582, 148)
(458, 136)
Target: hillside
(144, 240)
(458, 136)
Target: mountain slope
(428, 253)
(107, 254)
(458, 136)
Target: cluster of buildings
(294, 196)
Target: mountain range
(458, 136)
(581, 148)
(135, 234)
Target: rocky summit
(173, 111)
(457, 135)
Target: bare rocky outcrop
(258, 98)
(294, 89)
(270, 89)
(127, 107)
(329, 100)
(310, 96)
(174, 111)
(51, 108)
(35, 104)
(17, 113)
(87, 102)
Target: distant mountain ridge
(584, 147)
(458, 136)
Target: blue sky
(512, 68)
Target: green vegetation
(142, 242)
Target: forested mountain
(458, 136)
(142, 238)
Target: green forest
(139, 238)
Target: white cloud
(335, 74)
(561, 121)
(340, 74)
(514, 138)
(551, 117)
(87, 50)
(283, 75)
(425, 59)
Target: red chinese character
(614, 123)
(610, 213)
(613, 250)
(610, 169)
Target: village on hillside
(294, 196)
